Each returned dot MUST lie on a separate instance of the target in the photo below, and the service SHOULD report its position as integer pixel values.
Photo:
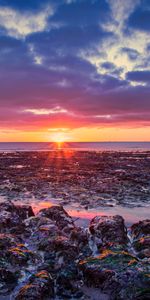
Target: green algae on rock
(117, 272)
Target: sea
(95, 146)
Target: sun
(59, 138)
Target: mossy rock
(116, 272)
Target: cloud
(122, 38)
(132, 53)
(139, 76)
(108, 65)
(42, 111)
(74, 69)
(20, 25)
(38, 59)
(121, 11)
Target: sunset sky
(76, 68)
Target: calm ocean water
(101, 146)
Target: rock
(62, 247)
(14, 254)
(79, 236)
(39, 287)
(66, 252)
(34, 223)
(93, 271)
(20, 255)
(140, 229)
(141, 238)
(111, 230)
(67, 283)
(11, 217)
(65, 248)
(7, 241)
(142, 246)
(60, 216)
(117, 273)
(8, 280)
(40, 229)
(24, 211)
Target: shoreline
(79, 180)
(136, 151)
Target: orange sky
(80, 134)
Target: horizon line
(76, 142)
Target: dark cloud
(139, 76)
(108, 65)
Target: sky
(79, 69)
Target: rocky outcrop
(11, 217)
(110, 231)
(48, 257)
(141, 237)
(117, 273)
(59, 216)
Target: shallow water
(82, 217)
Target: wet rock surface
(117, 273)
(52, 258)
(59, 216)
(12, 216)
(87, 179)
(40, 286)
(109, 230)
(141, 238)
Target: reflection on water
(130, 215)
(83, 217)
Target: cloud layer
(74, 63)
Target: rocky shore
(46, 256)
(83, 179)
